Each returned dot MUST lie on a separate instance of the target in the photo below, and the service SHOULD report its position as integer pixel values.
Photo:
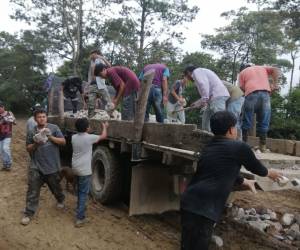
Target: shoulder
(52, 127)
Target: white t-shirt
(82, 144)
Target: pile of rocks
(100, 115)
(283, 227)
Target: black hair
(99, 68)
(189, 69)
(82, 125)
(221, 122)
(1, 104)
(95, 51)
(39, 111)
(244, 66)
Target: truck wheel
(106, 183)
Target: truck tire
(106, 184)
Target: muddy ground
(110, 227)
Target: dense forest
(136, 32)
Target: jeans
(5, 152)
(155, 100)
(74, 101)
(129, 106)
(214, 105)
(257, 102)
(177, 116)
(35, 181)
(83, 184)
(196, 231)
(235, 107)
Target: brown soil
(110, 227)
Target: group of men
(218, 169)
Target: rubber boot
(245, 135)
(262, 143)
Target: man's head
(245, 65)
(82, 125)
(223, 123)
(40, 116)
(94, 53)
(188, 71)
(2, 107)
(101, 70)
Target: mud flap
(152, 190)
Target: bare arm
(165, 89)
(119, 93)
(103, 135)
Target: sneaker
(80, 223)
(25, 220)
(60, 205)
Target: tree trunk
(293, 56)
(78, 51)
(140, 59)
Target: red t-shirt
(117, 74)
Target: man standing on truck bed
(158, 95)
(212, 91)
(43, 145)
(126, 84)
(218, 170)
(254, 81)
(97, 86)
(70, 87)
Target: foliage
(22, 66)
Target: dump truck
(149, 163)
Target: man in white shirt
(97, 87)
(212, 91)
(82, 144)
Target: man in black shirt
(218, 171)
(70, 87)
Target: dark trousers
(83, 187)
(196, 231)
(35, 181)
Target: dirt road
(111, 228)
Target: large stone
(217, 241)
(259, 225)
(290, 147)
(297, 219)
(287, 219)
(274, 228)
(276, 145)
(240, 213)
(297, 148)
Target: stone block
(297, 148)
(276, 145)
(290, 147)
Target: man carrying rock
(7, 119)
(254, 81)
(126, 84)
(218, 170)
(212, 91)
(158, 95)
(43, 145)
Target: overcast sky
(207, 20)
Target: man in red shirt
(254, 81)
(126, 84)
(7, 119)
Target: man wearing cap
(254, 81)
(7, 119)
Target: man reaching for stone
(218, 170)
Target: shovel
(184, 109)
